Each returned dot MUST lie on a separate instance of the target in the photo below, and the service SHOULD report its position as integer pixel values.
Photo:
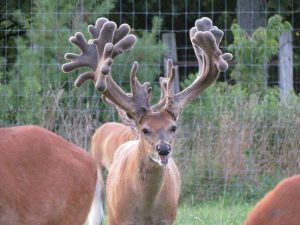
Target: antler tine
(163, 82)
(163, 87)
(107, 51)
(206, 39)
(135, 84)
(163, 94)
(95, 30)
(136, 103)
(106, 36)
(88, 57)
(121, 32)
(198, 51)
(140, 93)
(171, 77)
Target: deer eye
(146, 131)
(173, 128)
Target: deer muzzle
(163, 150)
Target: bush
(235, 141)
(254, 52)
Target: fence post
(285, 63)
(170, 41)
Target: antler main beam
(206, 39)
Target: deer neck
(150, 176)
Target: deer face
(157, 132)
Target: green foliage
(213, 100)
(2, 70)
(236, 141)
(36, 70)
(218, 212)
(25, 85)
(253, 53)
(5, 93)
(226, 211)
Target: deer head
(156, 124)
(129, 121)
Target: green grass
(229, 212)
(213, 213)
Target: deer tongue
(164, 159)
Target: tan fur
(281, 206)
(139, 190)
(107, 139)
(44, 179)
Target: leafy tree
(252, 53)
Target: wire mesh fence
(235, 135)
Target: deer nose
(163, 148)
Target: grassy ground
(213, 213)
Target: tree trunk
(77, 17)
(285, 64)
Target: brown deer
(143, 183)
(105, 142)
(44, 179)
(279, 206)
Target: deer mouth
(163, 149)
(164, 159)
(160, 159)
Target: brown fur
(280, 206)
(45, 180)
(139, 190)
(107, 139)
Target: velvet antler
(206, 39)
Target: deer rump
(279, 206)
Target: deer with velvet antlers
(143, 183)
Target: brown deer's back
(107, 139)
(44, 178)
(279, 206)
